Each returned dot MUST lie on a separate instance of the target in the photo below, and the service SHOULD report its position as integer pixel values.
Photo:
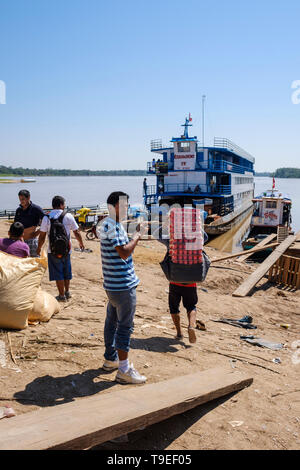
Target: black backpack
(58, 238)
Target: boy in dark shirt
(14, 245)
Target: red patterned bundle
(186, 238)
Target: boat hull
(223, 224)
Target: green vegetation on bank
(282, 173)
(6, 171)
(263, 173)
(9, 171)
(287, 173)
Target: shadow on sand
(161, 435)
(50, 391)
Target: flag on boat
(190, 117)
(273, 186)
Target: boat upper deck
(223, 157)
(190, 169)
(273, 194)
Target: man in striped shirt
(120, 283)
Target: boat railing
(193, 189)
(224, 165)
(226, 144)
(7, 214)
(212, 165)
(157, 144)
(158, 168)
(10, 214)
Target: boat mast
(186, 125)
(203, 102)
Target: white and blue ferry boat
(220, 178)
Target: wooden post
(253, 279)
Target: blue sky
(89, 83)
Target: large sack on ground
(45, 305)
(20, 279)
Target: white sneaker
(130, 377)
(110, 365)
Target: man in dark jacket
(30, 215)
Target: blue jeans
(119, 322)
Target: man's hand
(42, 238)
(79, 239)
(142, 228)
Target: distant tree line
(263, 173)
(282, 173)
(287, 173)
(8, 170)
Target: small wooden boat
(271, 214)
(28, 180)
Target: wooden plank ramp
(264, 242)
(90, 421)
(248, 252)
(247, 286)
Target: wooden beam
(264, 242)
(90, 421)
(248, 252)
(253, 279)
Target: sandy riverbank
(60, 361)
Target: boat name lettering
(184, 156)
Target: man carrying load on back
(58, 224)
(187, 292)
(184, 265)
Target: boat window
(271, 204)
(183, 146)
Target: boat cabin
(271, 209)
(219, 177)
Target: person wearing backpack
(58, 225)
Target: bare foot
(179, 336)
(192, 335)
(192, 326)
(192, 318)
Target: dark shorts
(187, 294)
(59, 268)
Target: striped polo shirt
(118, 273)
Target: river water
(77, 190)
(93, 190)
